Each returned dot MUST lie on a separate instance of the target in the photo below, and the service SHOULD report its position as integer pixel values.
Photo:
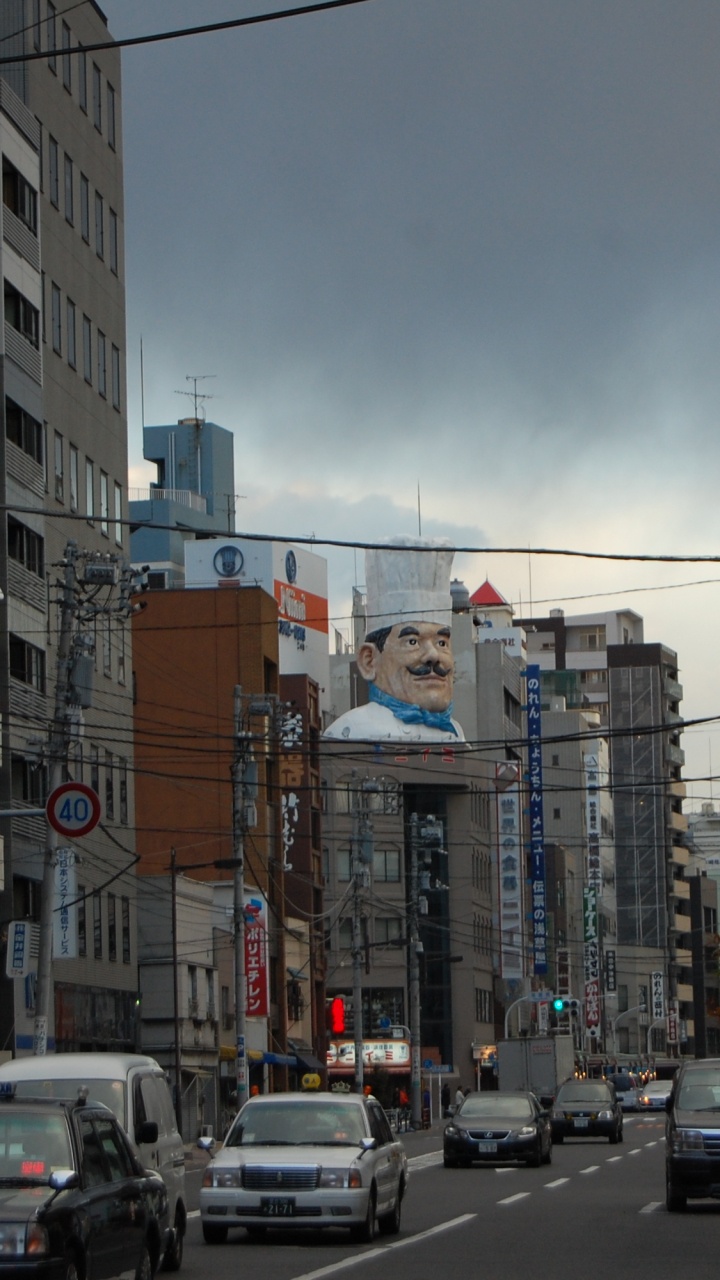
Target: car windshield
(32, 1146)
(110, 1092)
(623, 1084)
(584, 1091)
(700, 1093)
(295, 1124)
(494, 1105)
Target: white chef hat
(409, 581)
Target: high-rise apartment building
(63, 448)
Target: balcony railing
(183, 497)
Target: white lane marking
(651, 1207)
(612, 1159)
(521, 1195)
(636, 1151)
(505, 1170)
(425, 1162)
(357, 1258)
(194, 1213)
(651, 1144)
(590, 1169)
(559, 1182)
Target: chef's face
(414, 665)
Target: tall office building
(63, 450)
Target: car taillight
(354, 1179)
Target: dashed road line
(521, 1195)
(652, 1206)
(559, 1182)
(592, 1168)
(358, 1258)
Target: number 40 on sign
(73, 809)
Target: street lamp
(637, 1008)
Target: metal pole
(176, 1004)
(238, 769)
(58, 763)
(414, 979)
(357, 943)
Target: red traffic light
(337, 1015)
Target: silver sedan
(306, 1160)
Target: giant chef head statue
(407, 653)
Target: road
(597, 1210)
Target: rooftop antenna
(142, 385)
(419, 516)
(198, 398)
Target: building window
(345, 935)
(115, 373)
(342, 864)
(592, 640)
(82, 79)
(109, 777)
(111, 115)
(70, 337)
(84, 208)
(99, 226)
(113, 237)
(37, 26)
(94, 768)
(87, 349)
(22, 315)
(102, 363)
(89, 489)
(66, 61)
(97, 97)
(112, 927)
(26, 547)
(27, 663)
(104, 504)
(118, 513)
(123, 788)
(59, 468)
(82, 921)
(19, 196)
(69, 202)
(51, 29)
(387, 928)
(97, 924)
(125, 912)
(74, 474)
(56, 320)
(386, 865)
(24, 430)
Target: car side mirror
(206, 1142)
(64, 1179)
(146, 1132)
(368, 1144)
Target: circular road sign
(73, 809)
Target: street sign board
(73, 809)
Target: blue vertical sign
(537, 834)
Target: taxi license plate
(581, 1122)
(277, 1206)
(487, 1148)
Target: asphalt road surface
(598, 1211)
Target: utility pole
(361, 862)
(176, 1004)
(57, 753)
(239, 819)
(414, 951)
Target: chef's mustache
(430, 669)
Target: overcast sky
(461, 245)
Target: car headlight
(20, 1239)
(222, 1177)
(687, 1140)
(605, 1115)
(452, 1131)
(527, 1131)
(340, 1178)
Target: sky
(448, 266)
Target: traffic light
(336, 1015)
(566, 1004)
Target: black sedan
(498, 1127)
(587, 1109)
(74, 1198)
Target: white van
(134, 1087)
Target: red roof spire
(486, 595)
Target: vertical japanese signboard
(510, 874)
(256, 957)
(593, 869)
(537, 832)
(657, 995)
(592, 962)
(65, 912)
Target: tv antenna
(198, 398)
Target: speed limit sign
(73, 809)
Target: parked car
(75, 1200)
(306, 1160)
(587, 1109)
(692, 1134)
(627, 1087)
(654, 1095)
(134, 1087)
(498, 1127)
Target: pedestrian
(404, 1117)
(445, 1098)
(459, 1096)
